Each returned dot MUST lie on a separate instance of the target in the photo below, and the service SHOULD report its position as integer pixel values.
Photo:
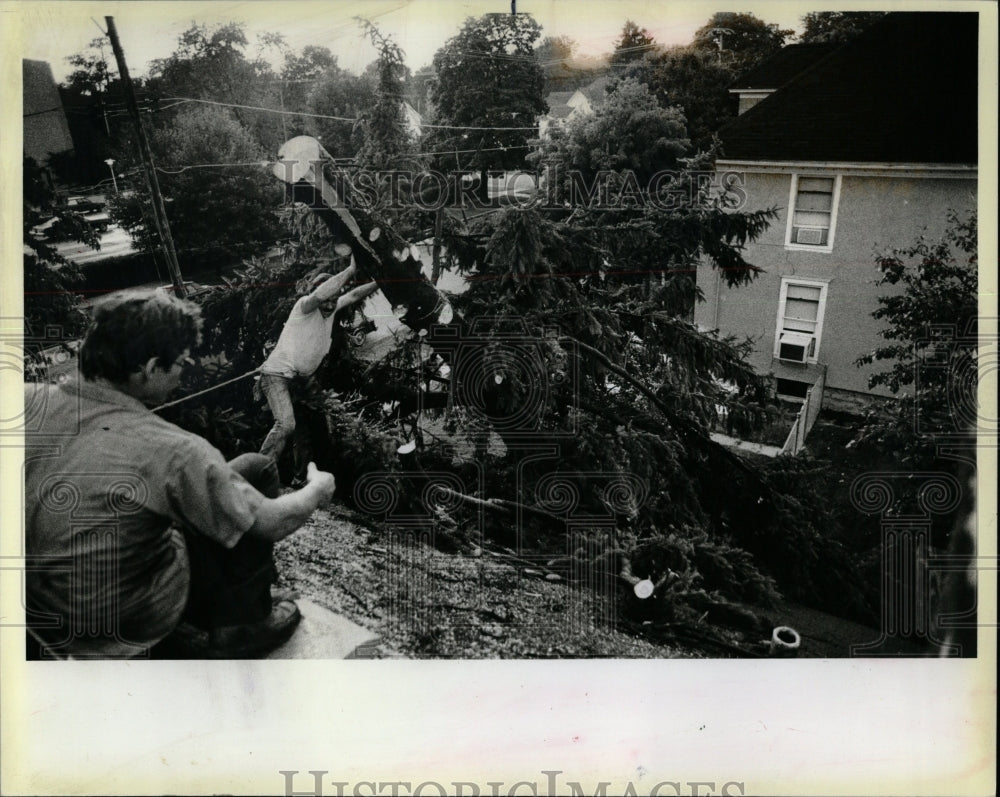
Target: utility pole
(159, 211)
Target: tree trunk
(378, 254)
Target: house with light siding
(865, 149)
(565, 105)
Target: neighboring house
(775, 72)
(565, 105)
(863, 151)
(46, 131)
(413, 120)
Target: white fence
(804, 421)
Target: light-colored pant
(278, 392)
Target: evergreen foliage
(383, 127)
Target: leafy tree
(309, 65)
(630, 131)
(383, 125)
(49, 278)
(94, 99)
(220, 200)
(930, 310)
(632, 45)
(91, 75)
(564, 70)
(694, 81)
(931, 332)
(340, 94)
(823, 27)
(488, 77)
(741, 40)
(210, 64)
(555, 57)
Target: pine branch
(687, 429)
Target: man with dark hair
(302, 345)
(133, 524)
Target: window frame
(779, 327)
(834, 206)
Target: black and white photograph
(425, 397)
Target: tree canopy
(383, 126)
(489, 82)
(50, 280)
(823, 27)
(693, 80)
(630, 131)
(740, 39)
(633, 43)
(220, 198)
(931, 333)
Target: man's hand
(320, 481)
(279, 517)
(327, 290)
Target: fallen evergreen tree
(564, 414)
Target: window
(792, 388)
(801, 305)
(812, 213)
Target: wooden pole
(436, 251)
(159, 211)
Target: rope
(206, 390)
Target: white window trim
(793, 193)
(820, 312)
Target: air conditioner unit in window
(809, 235)
(796, 347)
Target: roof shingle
(904, 91)
(788, 62)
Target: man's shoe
(284, 594)
(252, 639)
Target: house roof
(788, 62)
(596, 91)
(558, 107)
(46, 130)
(904, 91)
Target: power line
(266, 164)
(180, 100)
(259, 108)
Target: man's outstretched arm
(356, 295)
(328, 289)
(278, 517)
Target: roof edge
(873, 169)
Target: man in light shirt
(303, 343)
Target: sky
(53, 30)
